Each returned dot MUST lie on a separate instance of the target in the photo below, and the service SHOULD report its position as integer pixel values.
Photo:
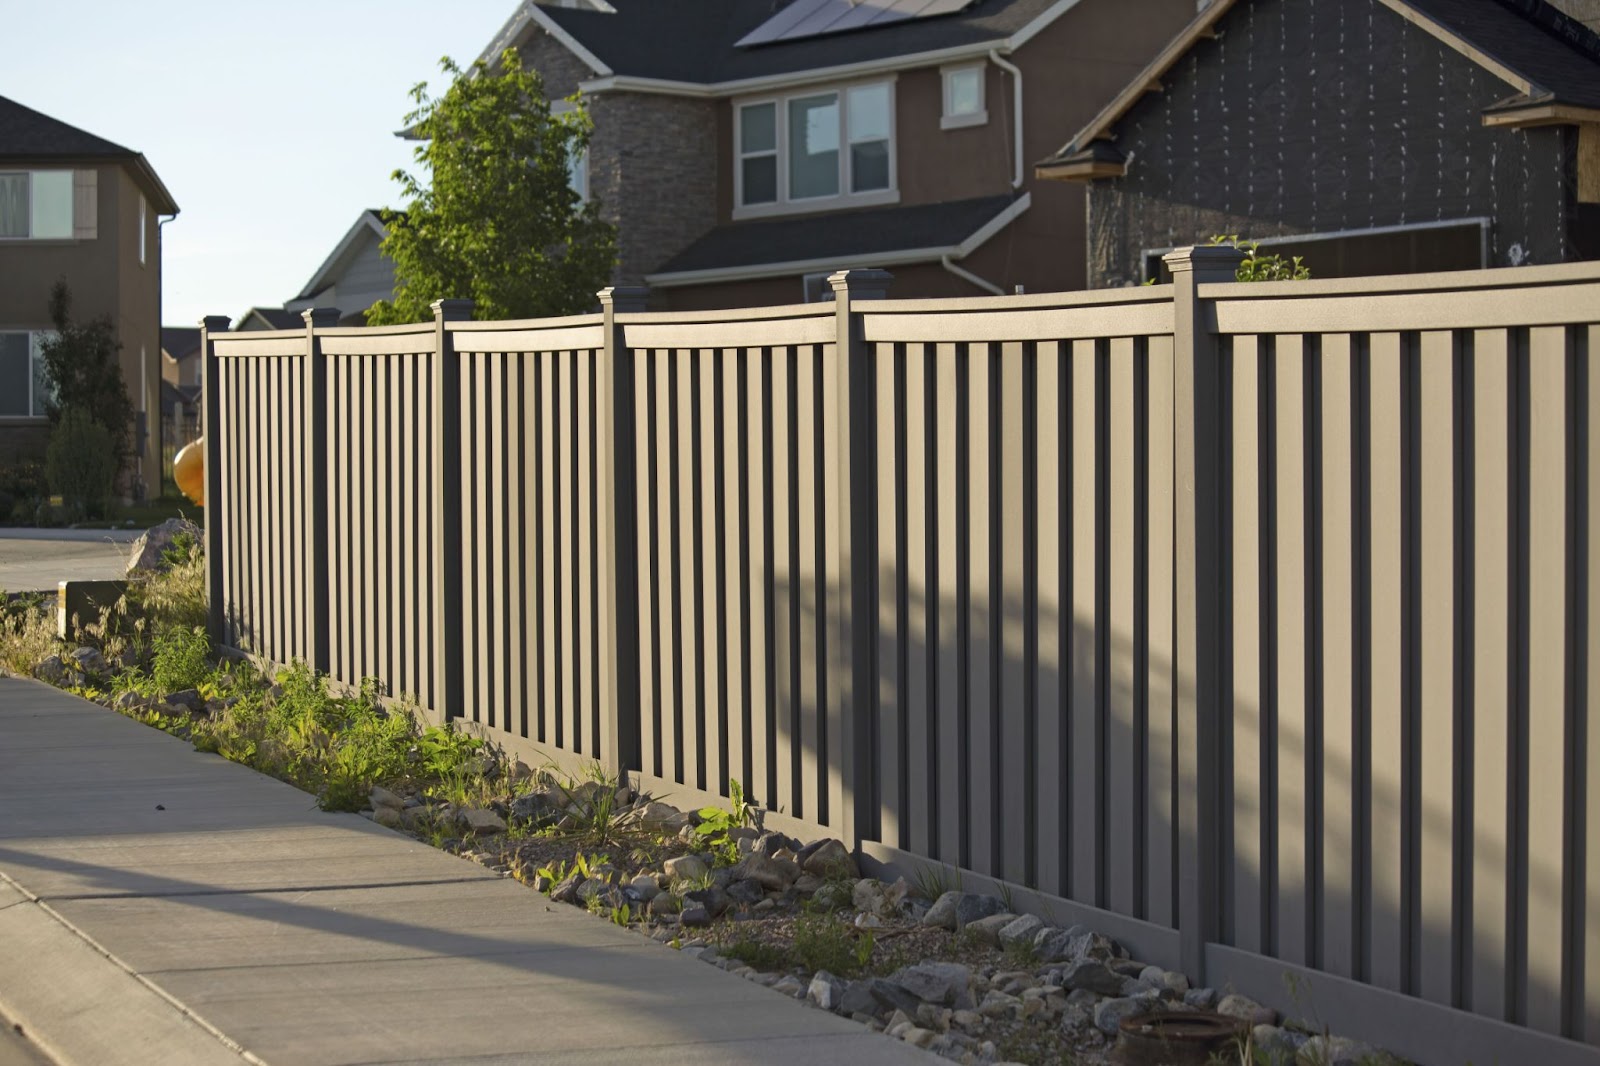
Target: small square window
(963, 97)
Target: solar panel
(814, 18)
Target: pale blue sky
(271, 123)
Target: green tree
(495, 219)
(81, 463)
(82, 372)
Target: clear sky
(272, 124)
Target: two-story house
(76, 207)
(353, 277)
(1366, 136)
(747, 148)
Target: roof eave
(369, 221)
(1540, 114)
(1078, 170)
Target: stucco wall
(1312, 118)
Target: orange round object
(189, 471)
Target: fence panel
(1408, 800)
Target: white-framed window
(144, 224)
(23, 389)
(578, 173)
(815, 149)
(963, 96)
(35, 205)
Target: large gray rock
(1108, 1013)
(1341, 1051)
(1201, 998)
(713, 899)
(1279, 1046)
(972, 908)
(189, 699)
(774, 875)
(945, 983)
(51, 670)
(1247, 1010)
(156, 541)
(746, 891)
(481, 821)
(685, 868)
(1021, 930)
(877, 996)
(942, 914)
(533, 807)
(831, 859)
(567, 890)
(90, 661)
(988, 929)
(1093, 975)
(827, 991)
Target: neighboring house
(180, 356)
(353, 278)
(180, 389)
(270, 318)
(78, 208)
(1368, 136)
(747, 148)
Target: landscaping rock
(769, 844)
(1108, 1013)
(1246, 1009)
(189, 699)
(790, 986)
(1278, 1046)
(831, 859)
(533, 807)
(590, 889)
(746, 891)
(388, 817)
(1056, 945)
(664, 905)
(832, 895)
(663, 817)
(713, 899)
(1201, 998)
(379, 797)
(877, 997)
(685, 868)
(946, 983)
(482, 822)
(90, 661)
(973, 908)
(997, 1004)
(1094, 976)
(942, 914)
(1341, 1051)
(695, 917)
(567, 890)
(1021, 930)
(988, 929)
(51, 670)
(774, 875)
(158, 540)
(827, 991)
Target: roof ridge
(92, 143)
(1558, 24)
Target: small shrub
(1258, 267)
(717, 822)
(181, 659)
(27, 634)
(828, 942)
(753, 953)
(81, 463)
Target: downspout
(1016, 178)
(1016, 109)
(161, 314)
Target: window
(963, 97)
(36, 204)
(23, 390)
(578, 173)
(144, 223)
(815, 150)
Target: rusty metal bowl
(1175, 1038)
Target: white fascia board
(978, 50)
(999, 222)
(529, 13)
(903, 257)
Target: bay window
(815, 150)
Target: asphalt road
(35, 560)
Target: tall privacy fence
(1252, 623)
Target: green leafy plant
(81, 463)
(716, 824)
(1258, 267)
(825, 941)
(82, 373)
(181, 659)
(756, 954)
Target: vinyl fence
(1251, 623)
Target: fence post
(316, 475)
(617, 558)
(211, 430)
(1199, 437)
(851, 587)
(447, 516)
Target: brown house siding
(106, 278)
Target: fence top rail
(1044, 301)
(726, 315)
(1441, 281)
(509, 325)
(407, 330)
(1576, 302)
(258, 343)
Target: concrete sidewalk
(158, 905)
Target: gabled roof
(26, 134)
(1551, 60)
(369, 225)
(180, 342)
(692, 42)
(887, 236)
(270, 318)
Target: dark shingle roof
(848, 235)
(1526, 36)
(180, 342)
(25, 132)
(274, 317)
(693, 40)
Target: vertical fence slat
(710, 594)
(1385, 868)
(1249, 684)
(758, 576)
(514, 711)
(1294, 741)
(1084, 714)
(951, 744)
(1013, 710)
(1124, 689)
(583, 501)
(892, 636)
(668, 553)
(811, 697)
(1161, 793)
(1055, 640)
(691, 710)
(1546, 701)
(1436, 917)
(550, 606)
(1589, 1001)
(1336, 834)
(733, 530)
(921, 592)
(981, 594)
